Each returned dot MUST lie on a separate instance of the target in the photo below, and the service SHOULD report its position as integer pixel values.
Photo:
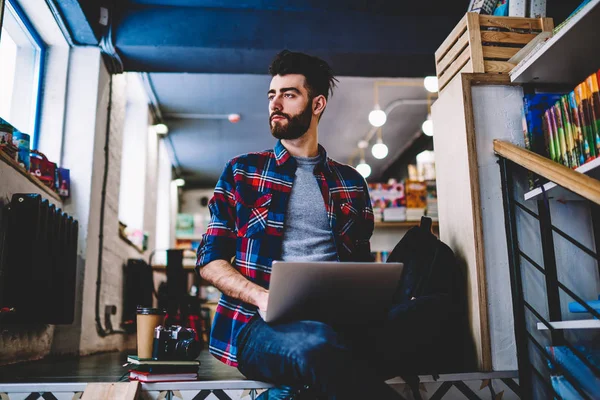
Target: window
(22, 55)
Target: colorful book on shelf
(572, 149)
(594, 96)
(562, 143)
(584, 148)
(534, 107)
(549, 136)
(584, 120)
(150, 377)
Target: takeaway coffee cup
(147, 320)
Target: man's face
(290, 108)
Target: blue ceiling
(211, 56)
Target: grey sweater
(307, 234)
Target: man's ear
(319, 104)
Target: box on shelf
(484, 44)
(43, 169)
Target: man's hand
(262, 300)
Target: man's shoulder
(251, 159)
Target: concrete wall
(83, 153)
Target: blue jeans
(309, 353)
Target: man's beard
(296, 126)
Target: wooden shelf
(559, 193)
(49, 192)
(576, 182)
(401, 224)
(568, 57)
(576, 324)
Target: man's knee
(320, 349)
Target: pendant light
(379, 149)
(363, 168)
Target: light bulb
(379, 150)
(364, 169)
(161, 129)
(377, 117)
(427, 126)
(179, 182)
(431, 84)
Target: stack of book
(388, 201)
(564, 127)
(416, 200)
(145, 370)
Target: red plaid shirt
(247, 220)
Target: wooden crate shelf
(484, 44)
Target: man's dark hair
(318, 74)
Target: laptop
(332, 292)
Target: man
(289, 203)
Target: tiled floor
(104, 367)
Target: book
(164, 369)
(565, 157)
(594, 95)
(150, 377)
(549, 136)
(569, 135)
(584, 121)
(534, 107)
(137, 361)
(584, 149)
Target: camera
(175, 343)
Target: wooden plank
(499, 52)
(501, 67)
(113, 391)
(489, 79)
(574, 181)
(455, 201)
(456, 50)
(547, 24)
(511, 22)
(13, 163)
(457, 65)
(507, 37)
(475, 42)
(456, 33)
(477, 220)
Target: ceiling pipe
(197, 116)
(390, 107)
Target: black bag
(432, 295)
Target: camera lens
(187, 349)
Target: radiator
(39, 262)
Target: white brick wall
(83, 154)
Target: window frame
(42, 47)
